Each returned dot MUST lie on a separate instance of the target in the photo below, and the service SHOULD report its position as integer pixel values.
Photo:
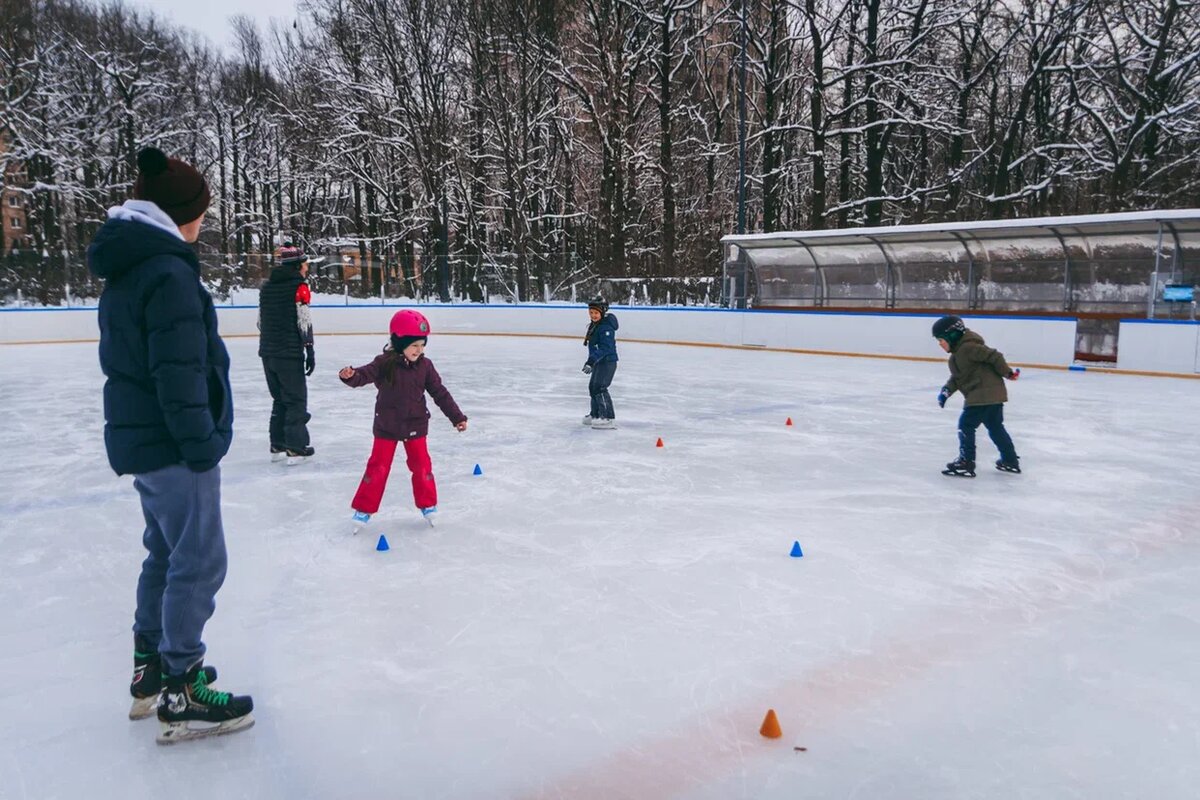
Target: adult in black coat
(168, 413)
(285, 345)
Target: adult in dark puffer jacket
(168, 414)
(285, 345)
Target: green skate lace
(210, 697)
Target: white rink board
(1159, 346)
(1040, 341)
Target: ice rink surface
(596, 617)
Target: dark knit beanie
(174, 186)
(291, 256)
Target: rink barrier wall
(1146, 347)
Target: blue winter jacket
(166, 398)
(602, 340)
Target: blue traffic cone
(796, 551)
(383, 545)
(478, 471)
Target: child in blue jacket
(601, 342)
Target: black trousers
(289, 412)
(992, 418)
(602, 377)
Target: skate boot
(430, 515)
(190, 709)
(278, 453)
(960, 468)
(604, 424)
(360, 520)
(295, 457)
(587, 421)
(147, 679)
(1008, 466)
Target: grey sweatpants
(185, 565)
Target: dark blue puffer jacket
(601, 340)
(166, 398)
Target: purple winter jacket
(400, 410)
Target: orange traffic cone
(789, 422)
(660, 444)
(770, 727)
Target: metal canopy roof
(1094, 224)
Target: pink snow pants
(379, 466)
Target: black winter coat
(167, 398)
(283, 321)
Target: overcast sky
(211, 17)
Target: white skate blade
(143, 707)
(604, 425)
(294, 461)
(174, 732)
(277, 457)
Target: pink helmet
(409, 323)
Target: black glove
(587, 368)
(310, 359)
(943, 396)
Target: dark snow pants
(289, 411)
(992, 418)
(602, 377)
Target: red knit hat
(174, 186)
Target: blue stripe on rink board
(1076, 368)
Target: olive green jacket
(978, 371)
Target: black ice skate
(190, 709)
(960, 468)
(295, 457)
(278, 453)
(1008, 466)
(147, 679)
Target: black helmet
(950, 328)
(600, 304)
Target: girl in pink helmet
(402, 375)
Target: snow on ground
(600, 618)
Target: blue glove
(1014, 373)
(943, 396)
(587, 368)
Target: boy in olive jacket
(978, 371)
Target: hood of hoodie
(129, 238)
(969, 336)
(610, 319)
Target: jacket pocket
(220, 398)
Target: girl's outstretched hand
(462, 426)
(346, 373)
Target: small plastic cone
(383, 543)
(789, 422)
(770, 727)
(660, 444)
(796, 551)
(477, 471)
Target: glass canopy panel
(785, 276)
(855, 274)
(931, 272)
